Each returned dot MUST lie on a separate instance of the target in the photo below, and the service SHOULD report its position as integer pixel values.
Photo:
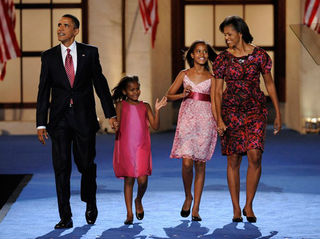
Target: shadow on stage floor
(287, 201)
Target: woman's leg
(253, 177)
(233, 176)
(142, 187)
(200, 170)
(187, 176)
(128, 187)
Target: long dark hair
(117, 92)
(211, 54)
(239, 25)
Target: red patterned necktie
(69, 67)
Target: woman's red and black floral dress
(243, 103)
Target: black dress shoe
(64, 223)
(237, 219)
(249, 219)
(196, 219)
(140, 215)
(184, 213)
(91, 213)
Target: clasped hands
(221, 128)
(114, 123)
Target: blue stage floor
(287, 203)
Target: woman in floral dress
(241, 108)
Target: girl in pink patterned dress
(196, 134)
(132, 149)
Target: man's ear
(124, 92)
(76, 31)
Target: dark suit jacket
(54, 82)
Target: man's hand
(42, 135)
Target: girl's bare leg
(128, 188)
(142, 187)
(200, 170)
(187, 176)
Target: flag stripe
(149, 15)
(10, 37)
(143, 14)
(313, 12)
(9, 47)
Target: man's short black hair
(74, 20)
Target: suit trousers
(65, 138)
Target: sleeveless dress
(243, 106)
(196, 133)
(132, 149)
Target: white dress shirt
(73, 53)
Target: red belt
(199, 96)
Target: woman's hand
(277, 125)
(159, 104)
(221, 127)
(186, 91)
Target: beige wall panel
(310, 86)
(302, 74)
(31, 73)
(139, 50)
(260, 21)
(66, 1)
(105, 33)
(18, 115)
(35, 1)
(35, 29)
(221, 12)
(17, 27)
(10, 86)
(293, 112)
(161, 63)
(198, 23)
(16, 127)
(56, 16)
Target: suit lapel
(61, 66)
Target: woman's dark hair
(239, 25)
(211, 53)
(117, 92)
(74, 20)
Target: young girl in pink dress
(132, 150)
(196, 134)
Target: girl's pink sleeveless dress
(132, 149)
(196, 132)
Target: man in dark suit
(68, 73)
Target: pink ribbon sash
(199, 96)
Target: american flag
(9, 47)
(312, 14)
(150, 18)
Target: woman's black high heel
(140, 215)
(249, 219)
(128, 222)
(196, 218)
(237, 219)
(184, 213)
